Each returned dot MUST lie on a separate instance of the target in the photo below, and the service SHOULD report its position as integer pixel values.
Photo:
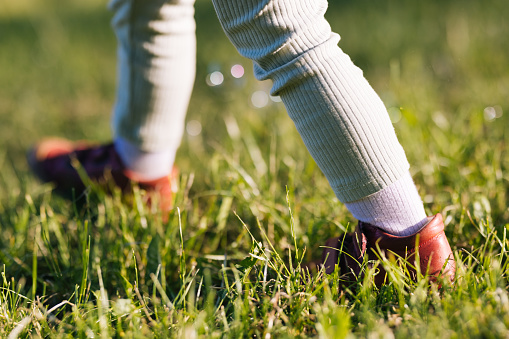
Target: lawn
(251, 205)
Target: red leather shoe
(57, 160)
(348, 252)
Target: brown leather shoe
(55, 160)
(435, 254)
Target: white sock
(148, 165)
(397, 209)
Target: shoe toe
(50, 148)
(49, 160)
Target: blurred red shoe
(73, 166)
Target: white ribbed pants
(342, 121)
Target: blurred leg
(156, 70)
(342, 121)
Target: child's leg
(156, 67)
(342, 121)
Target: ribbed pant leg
(342, 121)
(156, 70)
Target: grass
(252, 205)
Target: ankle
(397, 209)
(144, 165)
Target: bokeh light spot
(259, 99)
(193, 128)
(493, 112)
(490, 113)
(237, 71)
(215, 78)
